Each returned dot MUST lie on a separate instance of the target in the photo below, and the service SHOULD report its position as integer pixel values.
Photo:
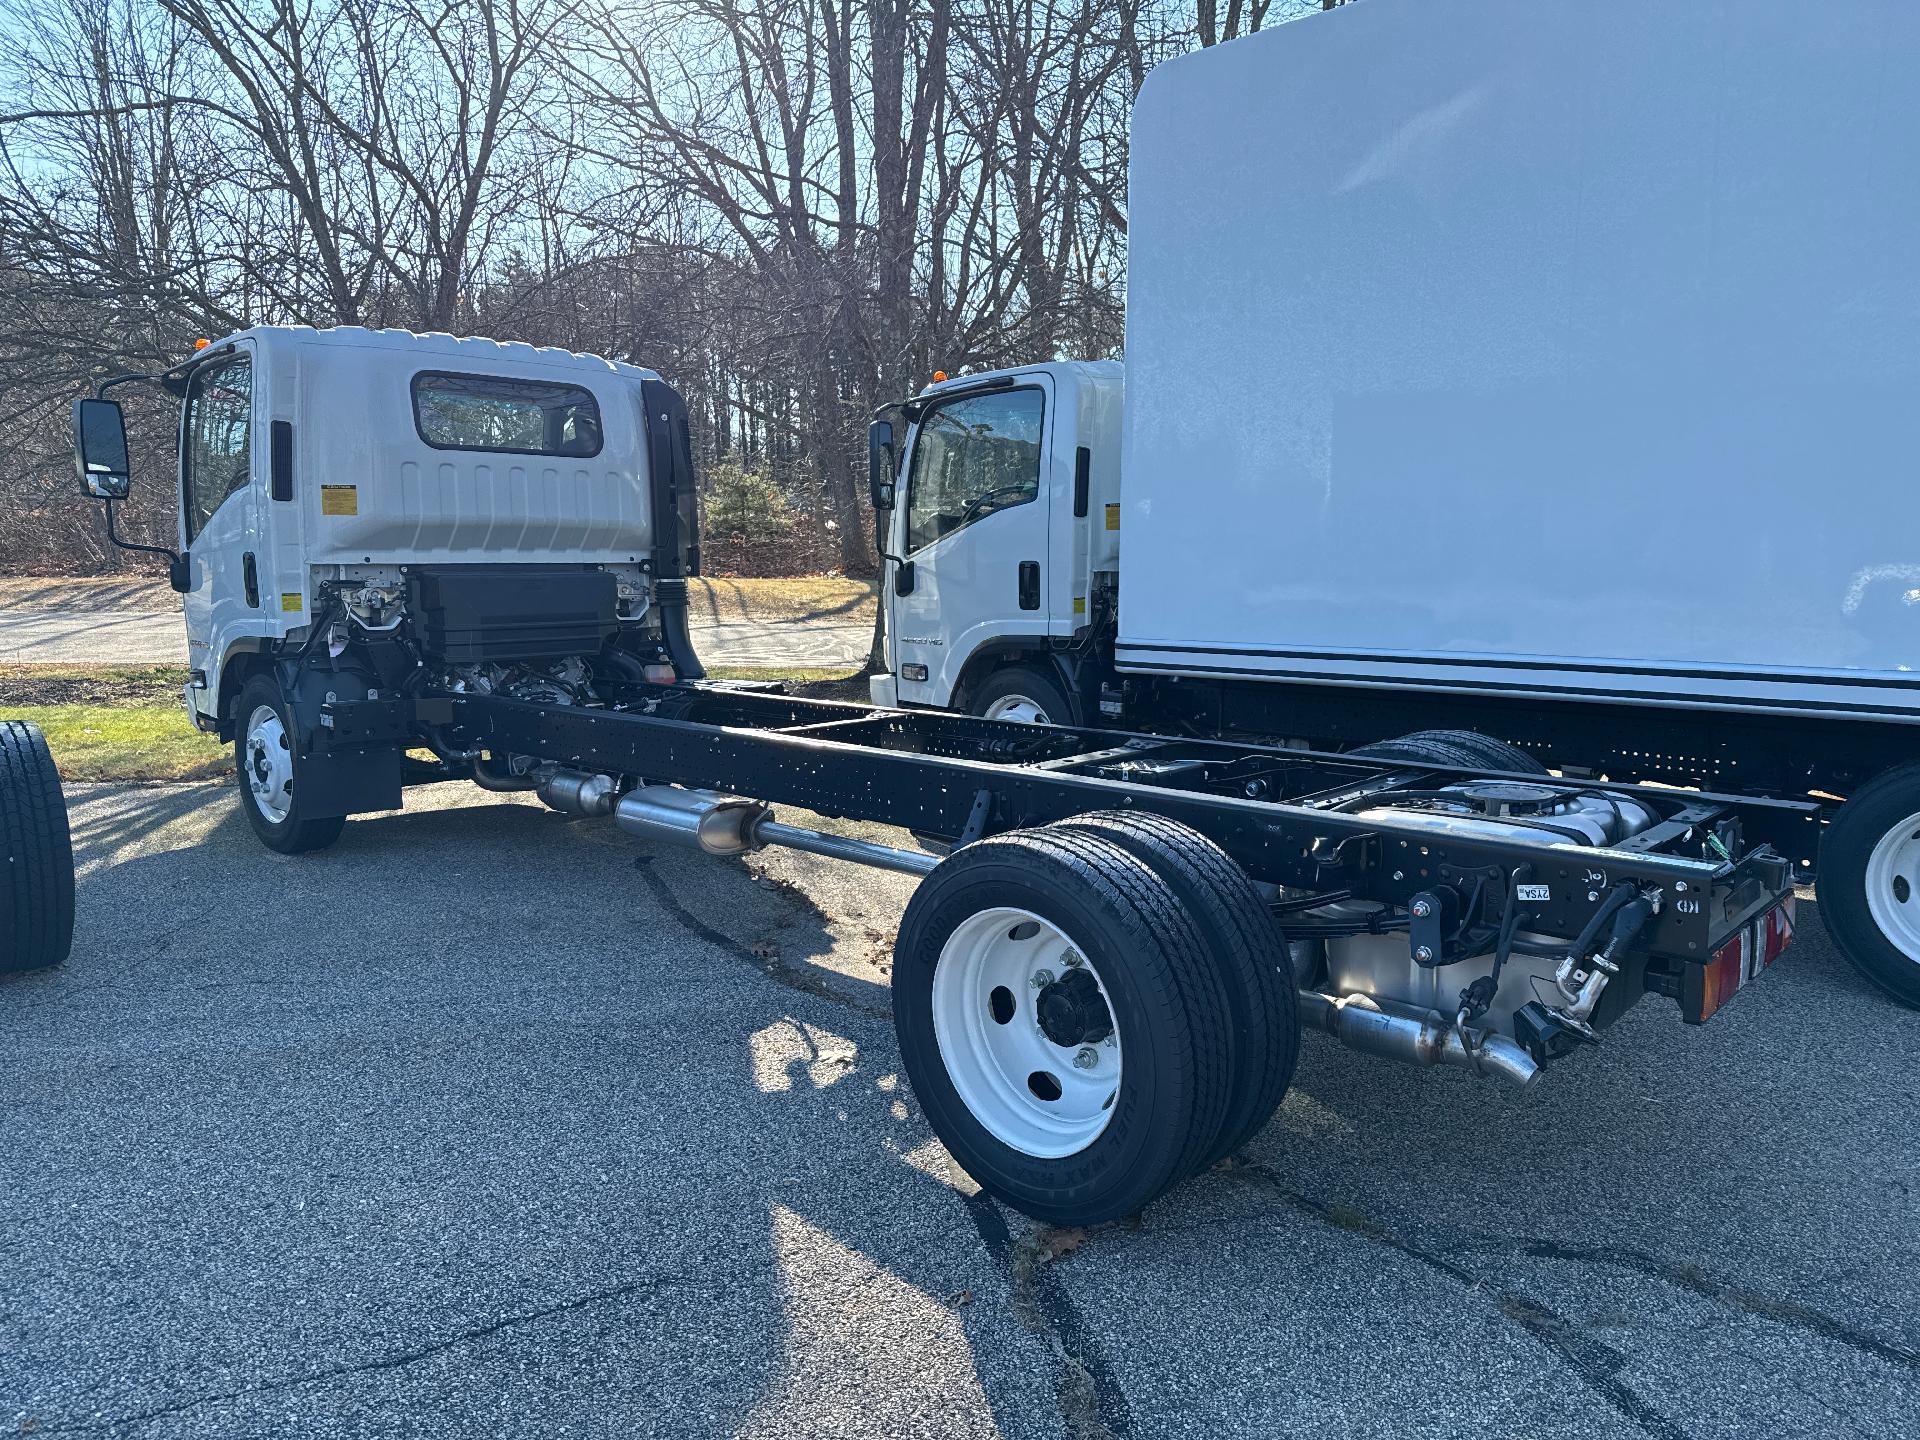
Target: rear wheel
(1061, 1024)
(263, 741)
(36, 854)
(1468, 749)
(1870, 881)
(1023, 693)
(1237, 930)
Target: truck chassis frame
(1278, 812)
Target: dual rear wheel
(1091, 1012)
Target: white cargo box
(1550, 348)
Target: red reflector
(1744, 956)
(660, 675)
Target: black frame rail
(1277, 811)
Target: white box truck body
(1540, 370)
(1561, 348)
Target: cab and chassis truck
(413, 559)
(1545, 371)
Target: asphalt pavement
(117, 624)
(493, 1122)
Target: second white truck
(1541, 371)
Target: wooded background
(793, 209)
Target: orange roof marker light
(201, 344)
(938, 376)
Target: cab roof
(474, 350)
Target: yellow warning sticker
(290, 602)
(1079, 604)
(345, 500)
(1113, 517)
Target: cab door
(971, 531)
(220, 513)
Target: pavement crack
(1596, 1363)
(794, 977)
(1696, 1281)
(1092, 1404)
(396, 1360)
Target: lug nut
(1087, 1058)
(1041, 979)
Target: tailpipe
(1418, 1037)
(724, 825)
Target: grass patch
(114, 685)
(798, 674)
(808, 682)
(126, 722)
(830, 599)
(126, 742)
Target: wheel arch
(241, 664)
(998, 654)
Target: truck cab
(1004, 519)
(366, 513)
(321, 472)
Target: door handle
(250, 573)
(1029, 584)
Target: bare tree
(797, 209)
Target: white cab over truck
(1546, 371)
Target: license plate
(1740, 959)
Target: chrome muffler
(1417, 1037)
(724, 825)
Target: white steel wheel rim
(995, 1063)
(1893, 886)
(268, 767)
(1017, 707)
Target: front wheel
(1870, 881)
(263, 741)
(1022, 693)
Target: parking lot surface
(492, 1122)
(119, 623)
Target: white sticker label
(1533, 892)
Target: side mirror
(881, 465)
(100, 449)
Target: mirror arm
(172, 559)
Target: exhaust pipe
(1418, 1037)
(722, 825)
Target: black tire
(1888, 803)
(296, 833)
(1238, 931)
(1023, 682)
(1166, 1002)
(36, 890)
(1467, 749)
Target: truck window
(491, 412)
(973, 456)
(219, 438)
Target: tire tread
(1252, 956)
(36, 903)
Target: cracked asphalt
(491, 1122)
